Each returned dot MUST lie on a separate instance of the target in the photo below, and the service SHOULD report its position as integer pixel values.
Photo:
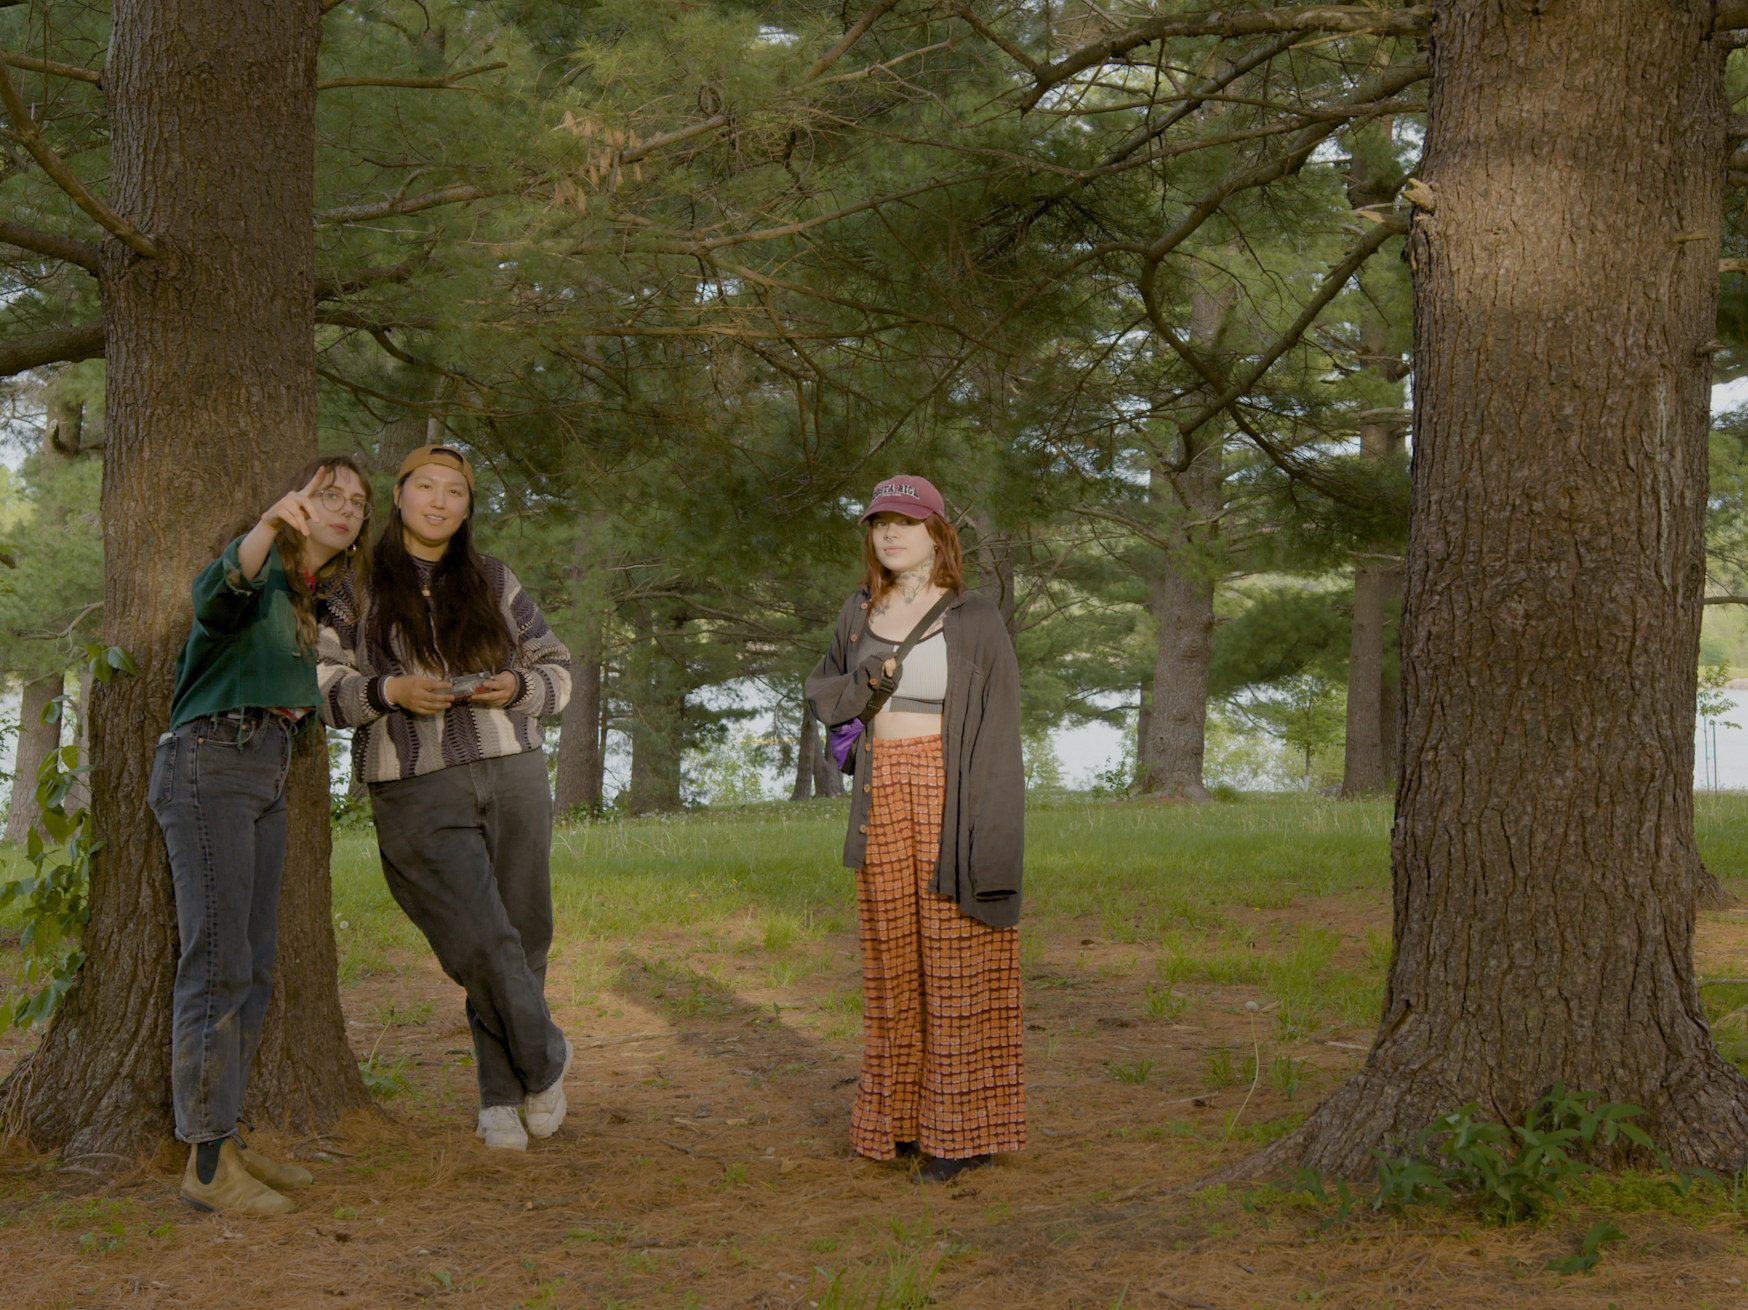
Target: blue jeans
(218, 789)
(466, 853)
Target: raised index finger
(315, 481)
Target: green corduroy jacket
(242, 652)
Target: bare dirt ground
(705, 1163)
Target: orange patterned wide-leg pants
(942, 1062)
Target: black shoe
(905, 1148)
(941, 1170)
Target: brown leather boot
(232, 1187)
(276, 1175)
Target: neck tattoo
(913, 582)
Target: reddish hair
(949, 572)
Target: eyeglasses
(340, 503)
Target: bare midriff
(891, 724)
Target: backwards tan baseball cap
(448, 456)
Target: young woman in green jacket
(245, 684)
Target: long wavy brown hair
(949, 574)
(289, 542)
(459, 629)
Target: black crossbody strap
(878, 701)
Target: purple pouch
(841, 742)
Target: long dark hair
(949, 574)
(460, 629)
(289, 542)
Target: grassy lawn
(1197, 977)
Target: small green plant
(1515, 1173)
(1163, 1003)
(733, 1175)
(1284, 1073)
(1221, 1067)
(1589, 1251)
(1133, 1072)
(382, 1080)
(56, 899)
(1379, 949)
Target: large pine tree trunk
(1373, 693)
(1180, 591)
(577, 782)
(211, 394)
(807, 748)
(1543, 854)
(655, 686)
(36, 742)
(1181, 597)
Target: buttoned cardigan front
(982, 850)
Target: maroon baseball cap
(915, 498)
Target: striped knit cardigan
(389, 743)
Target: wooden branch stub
(92, 75)
(1730, 17)
(64, 177)
(56, 346)
(54, 245)
(448, 83)
(446, 195)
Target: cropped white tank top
(922, 681)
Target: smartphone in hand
(464, 686)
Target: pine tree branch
(448, 83)
(1393, 225)
(848, 39)
(459, 193)
(65, 345)
(52, 244)
(669, 138)
(74, 71)
(331, 288)
(346, 318)
(1410, 21)
(64, 177)
(1725, 600)
(1386, 83)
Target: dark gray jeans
(218, 789)
(466, 853)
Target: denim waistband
(231, 725)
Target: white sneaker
(545, 1110)
(501, 1129)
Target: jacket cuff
(373, 694)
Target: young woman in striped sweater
(443, 667)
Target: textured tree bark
(577, 782)
(1180, 593)
(828, 780)
(807, 748)
(1543, 852)
(36, 741)
(993, 554)
(656, 688)
(211, 394)
(1373, 699)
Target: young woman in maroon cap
(936, 837)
